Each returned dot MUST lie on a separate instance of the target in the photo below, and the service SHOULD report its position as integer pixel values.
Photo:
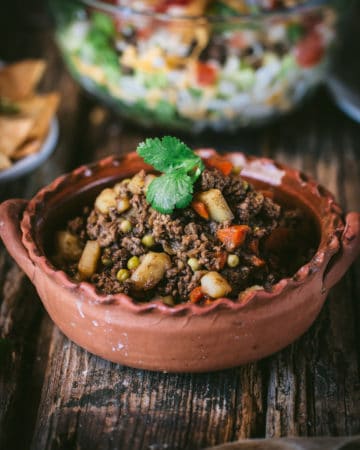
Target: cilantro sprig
(181, 167)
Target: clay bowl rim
(329, 240)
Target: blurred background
(228, 77)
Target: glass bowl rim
(280, 12)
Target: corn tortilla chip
(41, 108)
(13, 132)
(18, 80)
(25, 117)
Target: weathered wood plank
(23, 326)
(20, 313)
(98, 404)
(311, 386)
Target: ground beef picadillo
(190, 242)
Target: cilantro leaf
(168, 154)
(181, 167)
(169, 191)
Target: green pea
(106, 260)
(133, 263)
(168, 300)
(194, 264)
(125, 226)
(148, 240)
(232, 260)
(122, 275)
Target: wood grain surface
(54, 395)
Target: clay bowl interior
(224, 334)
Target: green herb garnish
(181, 167)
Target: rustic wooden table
(54, 395)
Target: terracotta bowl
(187, 337)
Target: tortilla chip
(13, 132)
(18, 80)
(26, 149)
(41, 108)
(5, 162)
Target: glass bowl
(192, 65)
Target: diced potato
(123, 204)
(148, 179)
(120, 188)
(214, 285)
(106, 200)
(68, 246)
(136, 184)
(89, 259)
(151, 270)
(216, 205)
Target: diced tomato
(200, 208)
(257, 262)
(221, 258)
(221, 164)
(206, 74)
(196, 295)
(234, 236)
(309, 50)
(144, 33)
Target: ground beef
(184, 235)
(212, 179)
(133, 245)
(138, 214)
(106, 282)
(101, 228)
(238, 279)
(179, 281)
(77, 226)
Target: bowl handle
(349, 250)
(10, 216)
